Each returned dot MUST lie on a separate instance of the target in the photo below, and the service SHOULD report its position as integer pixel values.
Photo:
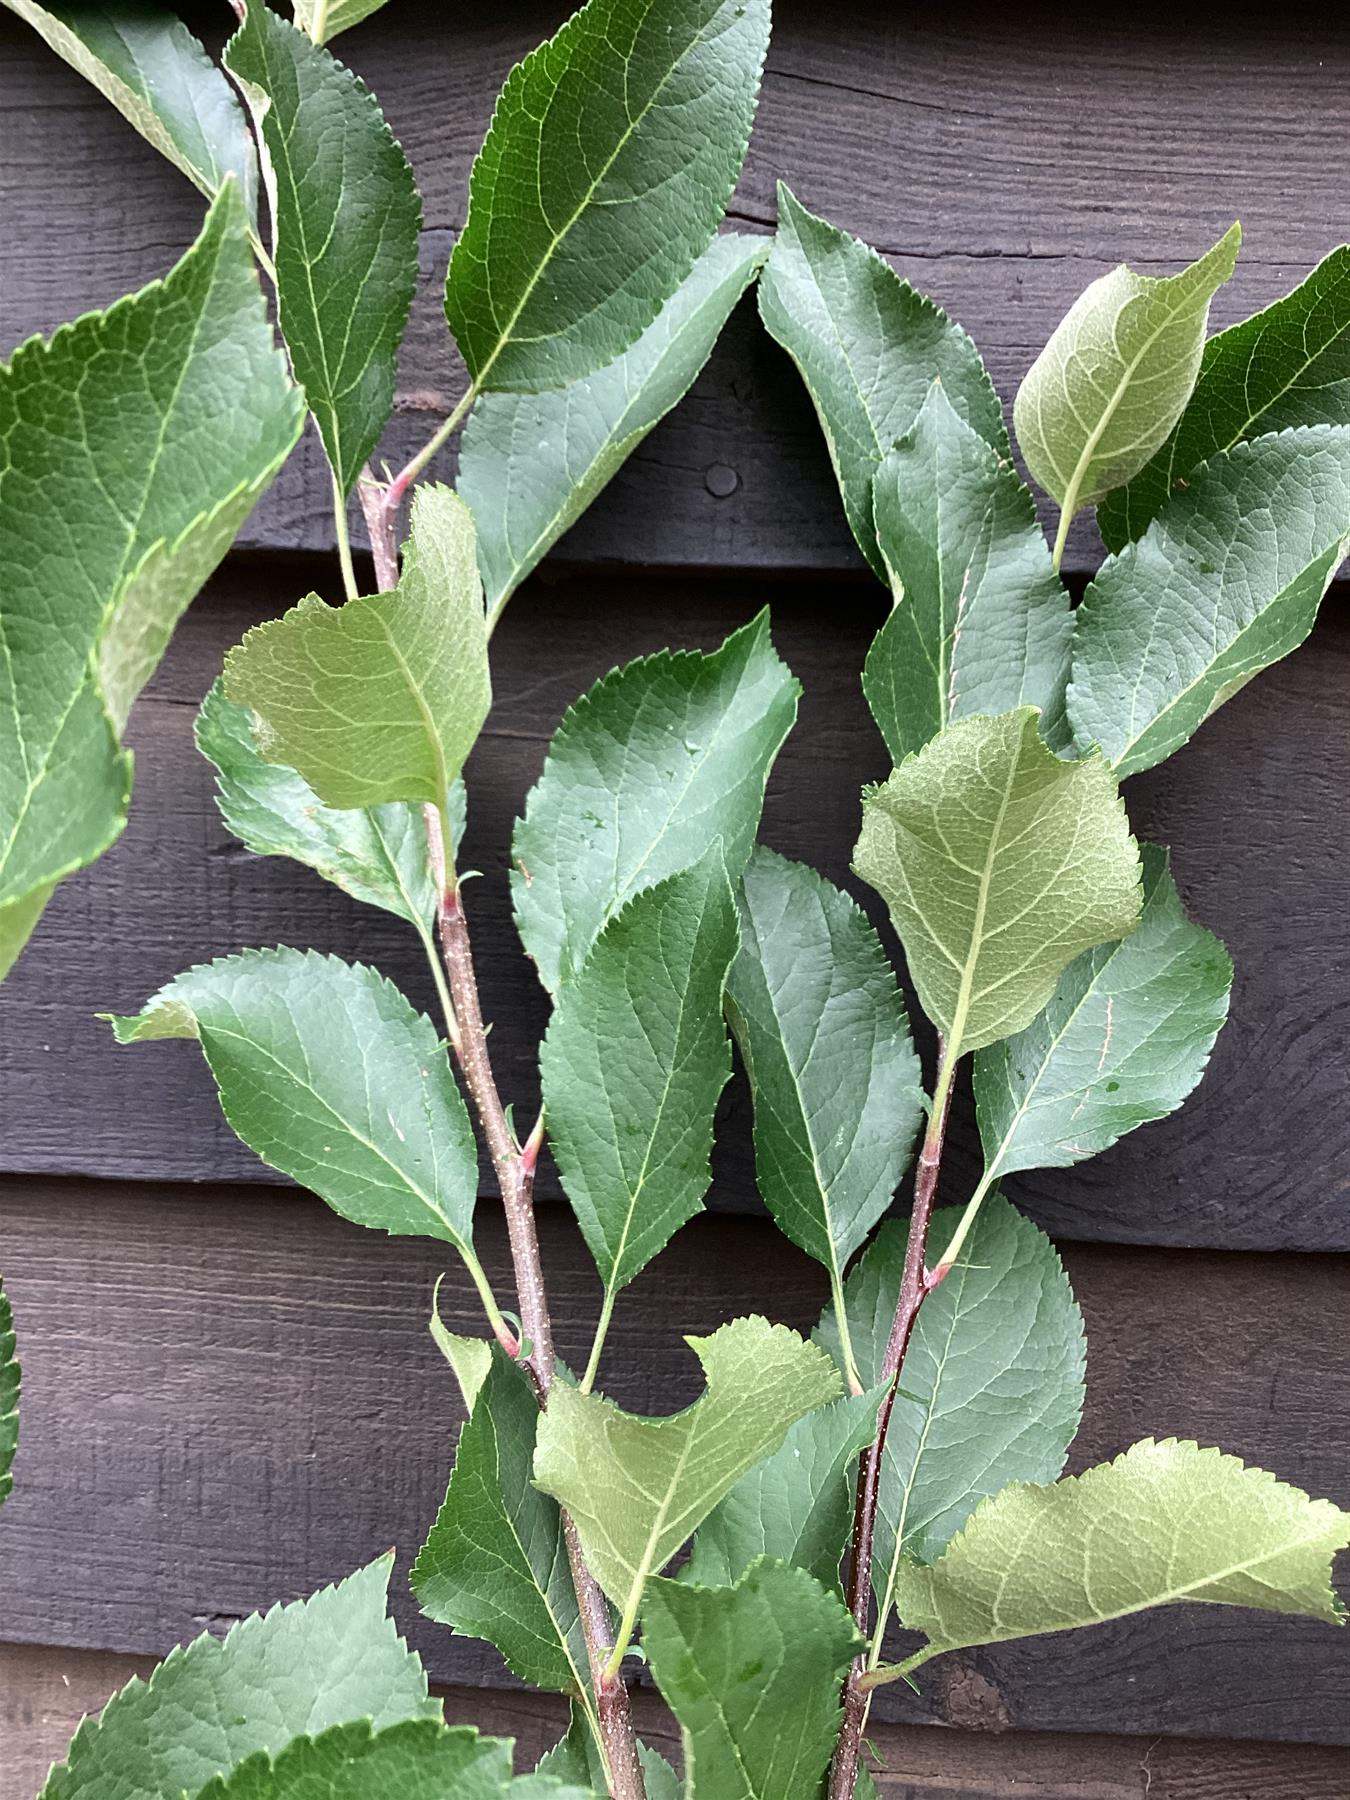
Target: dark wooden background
(230, 1396)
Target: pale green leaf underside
(1226, 580)
(332, 16)
(869, 348)
(9, 1396)
(1117, 371)
(612, 153)
(470, 1358)
(299, 1670)
(999, 864)
(530, 464)
(1124, 1039)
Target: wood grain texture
(231, 1398)
(1259, 1157)
(1003, 158)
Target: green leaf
(576, 1758)
(132, 448)
(159, 77)
(797, 1505)
(868, 347)
(1124, 1040)
(637, 1488)
(634, 1061)
(530, 465)
(654, 764)
(1113, 379)
(1164, 1522)
(823, 1033)
(9, 1396)
(753, 1674)
(1288, 365)
(612, 153)
(981, 622)
(381, 699)
(470, 1358)
(324, 19)
(345, 225)
(302, 1668)
(1226, 580)
(416, 1760)
(495, 1564)
(999, 864)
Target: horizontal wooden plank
(231, 1403)
(1259, 1158)
(940, 137)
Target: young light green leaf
(981, 622)
(470, 1358)
(1164, 1522)
(823, 1034)
(1226, 580)
(1288, 365)
(345, 225)
(144, 60)
(797, 1505)
(660, 760)
(9, 1396)
(634, 1061)
(132, 448)
(576, 1758)
(381, 699)
(869, 348)
(612, 153)
(753, 1673)
(999, 864)
(495, 1564)
(1124, 1040)
(333, 1658)
(530, 465)
(324, 19)
(637, 1488)
(419, 1759)
(1113, 379)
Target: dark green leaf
(9, 1396)
(417, 1760)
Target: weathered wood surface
(1003, 157)
(1259, 1158)
(231, 1398)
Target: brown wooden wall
(230, 1395)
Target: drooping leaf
(417, 1760)
(637, 1488)
(144, 60)
(132, 447)
(576, 1758)
(753, 1674)
(9, 1396)
(1164, 1522)
(869, 348)
(653, 765)
(324, 19)
(530, 464)
(494, 1564)
(796, 1506)
(302, 1668)
(345, 225)
(822, 1031)
(612, 153)
(1124, 1040)
(381, 699)
(1226, 580)
(1113, 379)
(634, 1061)
(999, 864)
(981, 622)
(470, 1358)
(1288, 365)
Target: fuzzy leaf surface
(1117, 372)
(295, 1671)
(345, 225)
(652, 766)
(530, 464)
(338, 15)
(611, 156)
(753, 1674)
(1124, 1039)
(1226, 580)
(637, 1488)
(981, 621)
(869, 347)
(999, 864)
(381, 699)
(1287, 365)
(9, 1396)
